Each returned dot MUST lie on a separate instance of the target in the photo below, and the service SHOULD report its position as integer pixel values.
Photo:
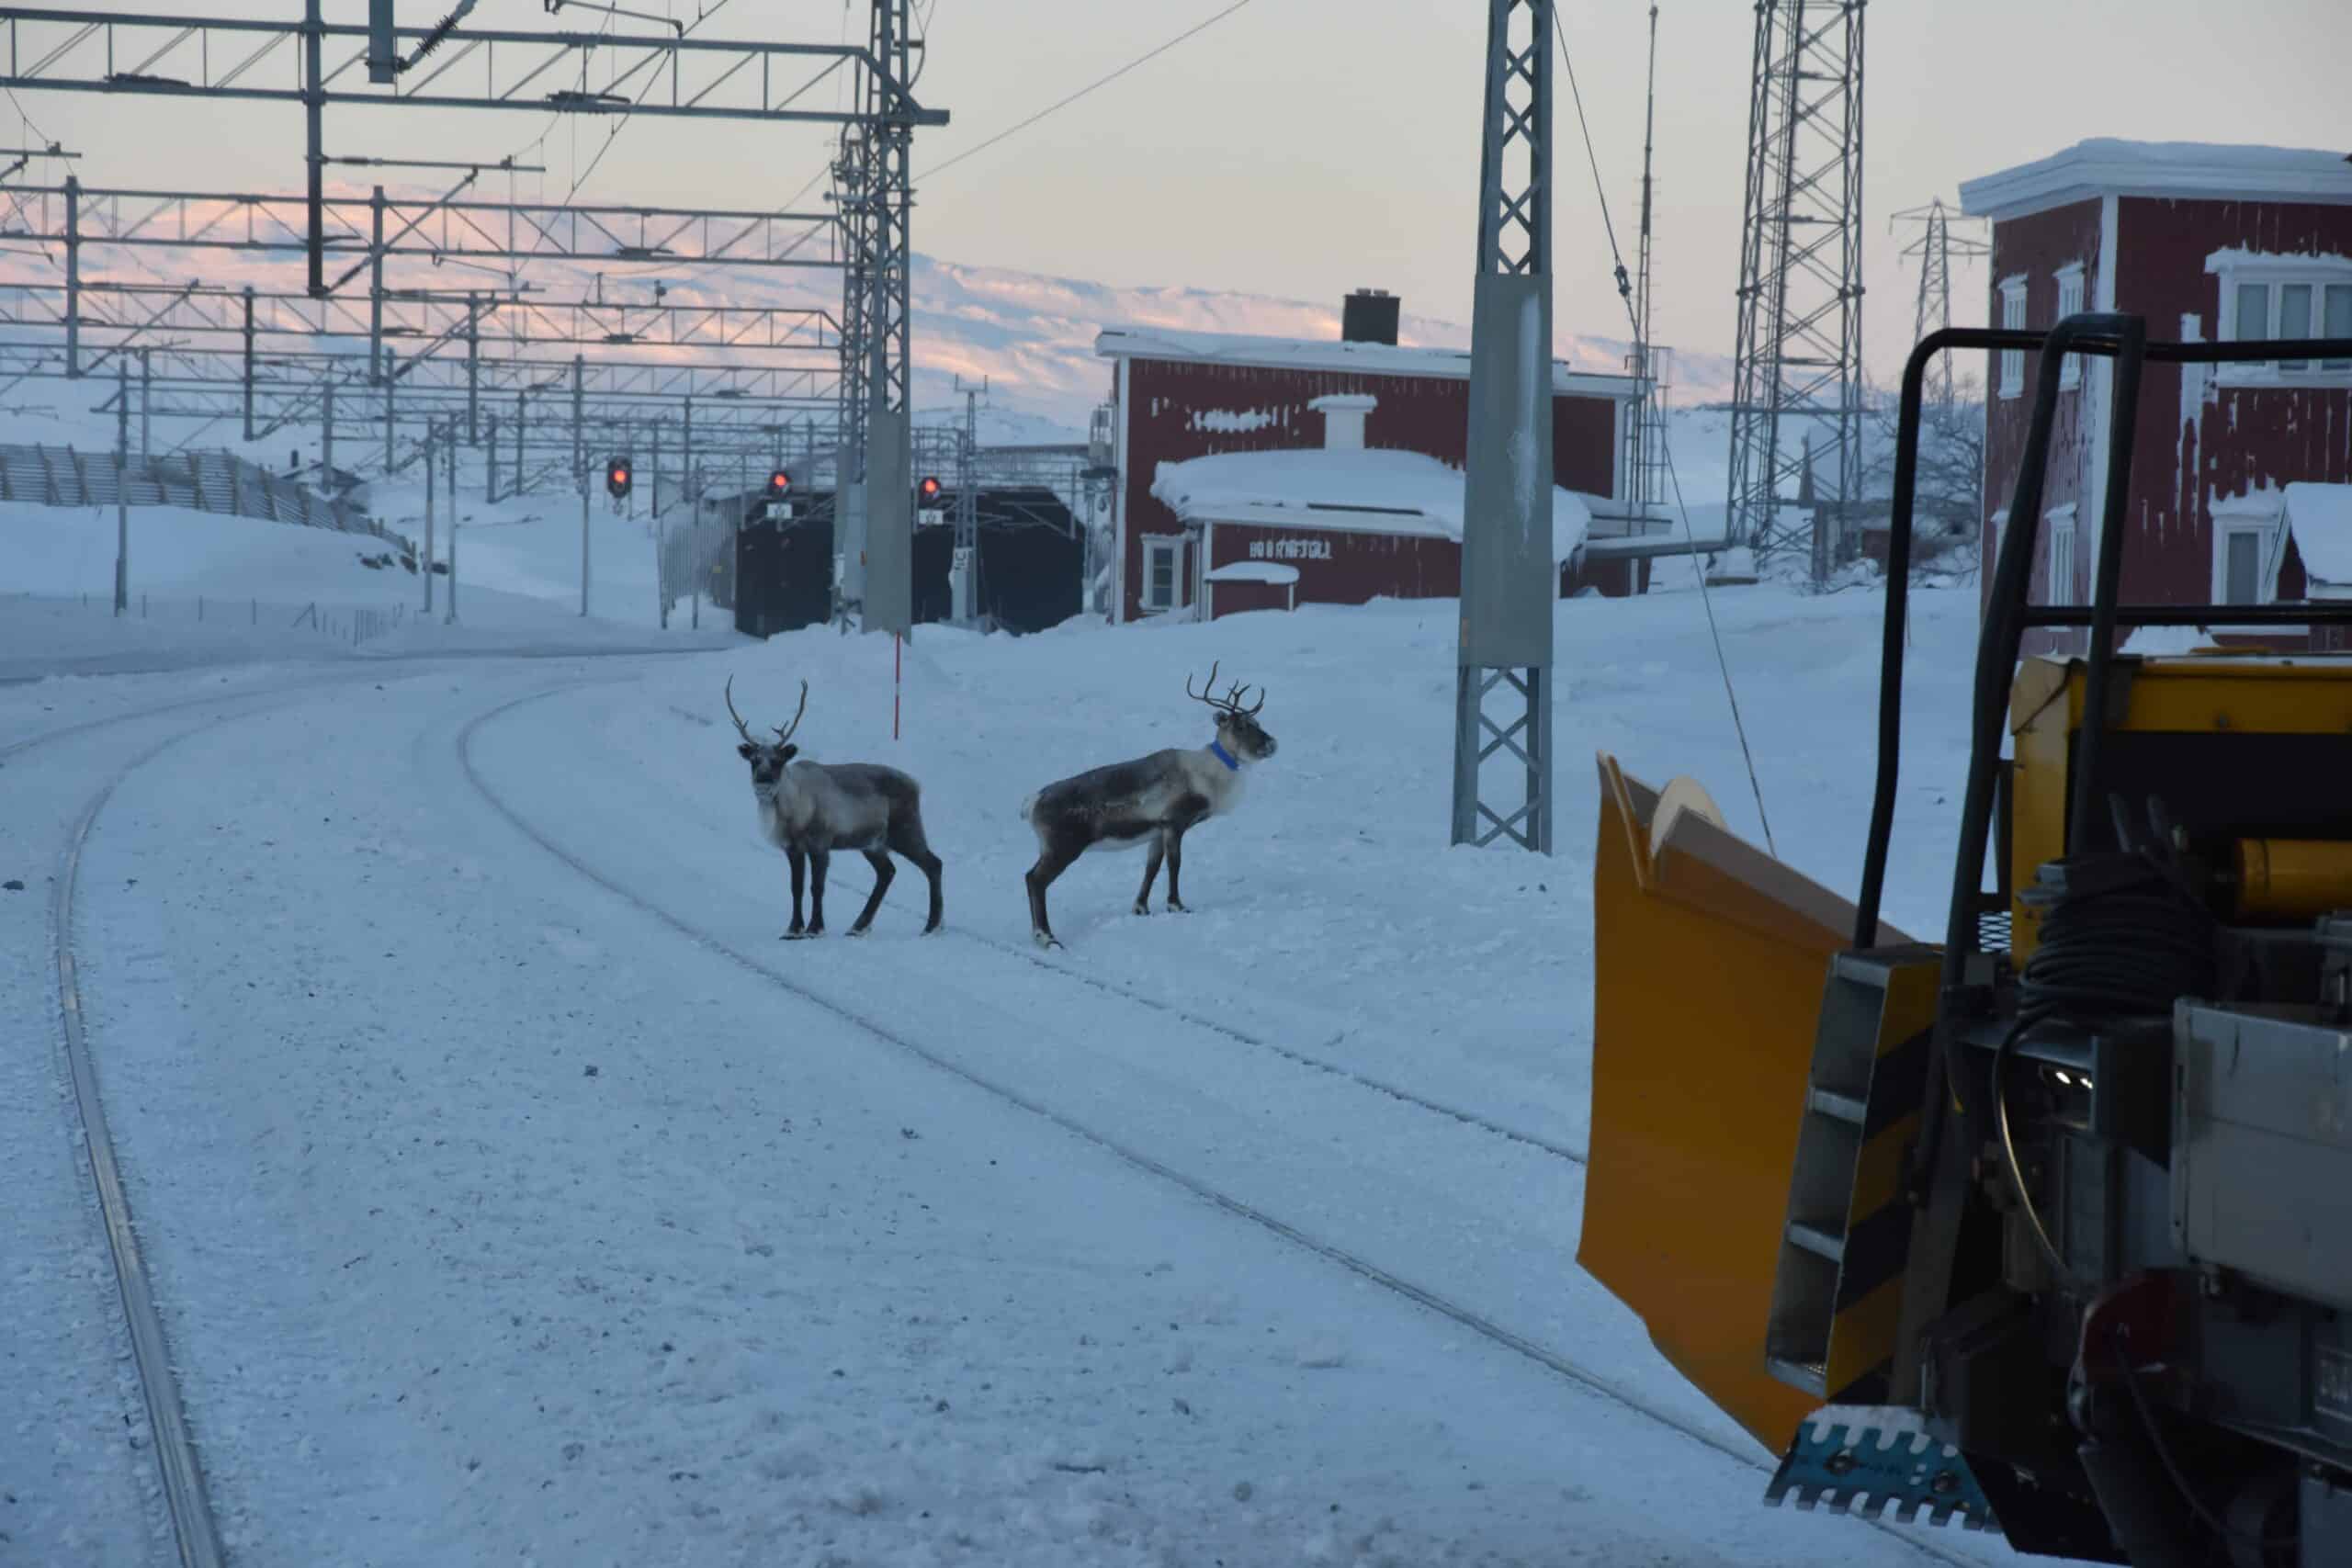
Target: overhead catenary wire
(44, 137)
(1101, 80)
(1576, 95)
(1665, 448)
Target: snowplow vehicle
(2044, 1228)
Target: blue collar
(1216, 750)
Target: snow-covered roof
(2320, 518)
(1271, 571)
(1330, 353)
(1373, 492)
(2104, 164)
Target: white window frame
(1172, 545)
(2070, 302)
(2013, 316)
(2058, 525)
(2000, 526)
(2263, 516)
(2234, 268)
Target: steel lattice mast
(875, 193)
(857, 297)
(1509, 581)
(1799, 355)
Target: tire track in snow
(1466, 1317)
(1288, 1053)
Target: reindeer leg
(1056, 860)
(799, 860)
(1175, 836)
(819, 859)
(883, 872)
(910, 843)
(1152, 872)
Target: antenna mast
(1646, 442)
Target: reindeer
(809, 809)
(1144, 804)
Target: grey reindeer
(1147, 803)
(810, 809)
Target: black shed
(1032, 558)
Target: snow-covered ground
(513, 1195)
(213, 590)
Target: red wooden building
(2205, 242)
(1179, 396)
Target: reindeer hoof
(796, 936)
(859, 931)
(1045, 938)
(1176, 909)
(1142, 909)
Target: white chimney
(1343, 418)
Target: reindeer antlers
(782, 734)
(740, 728)
(1230, 701)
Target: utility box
(960, 584)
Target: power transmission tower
(1509, 581)
(1935, 247)
(965, 572)
(1799, 357)
(1646, 437)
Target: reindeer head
(1238, 729)
(767, 759)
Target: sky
(1302, 147)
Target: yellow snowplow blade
(1710, 962)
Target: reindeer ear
(790, 752)
(747, 750)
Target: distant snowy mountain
(1034, 337)
(1031, 336)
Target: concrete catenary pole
(450, 447)
(580, 469)
(1510, 581)
(121, 488)
(428, 520)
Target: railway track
(194, 1525)
(1432, 1300)
(196, 1530)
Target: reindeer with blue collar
(1145, 804)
